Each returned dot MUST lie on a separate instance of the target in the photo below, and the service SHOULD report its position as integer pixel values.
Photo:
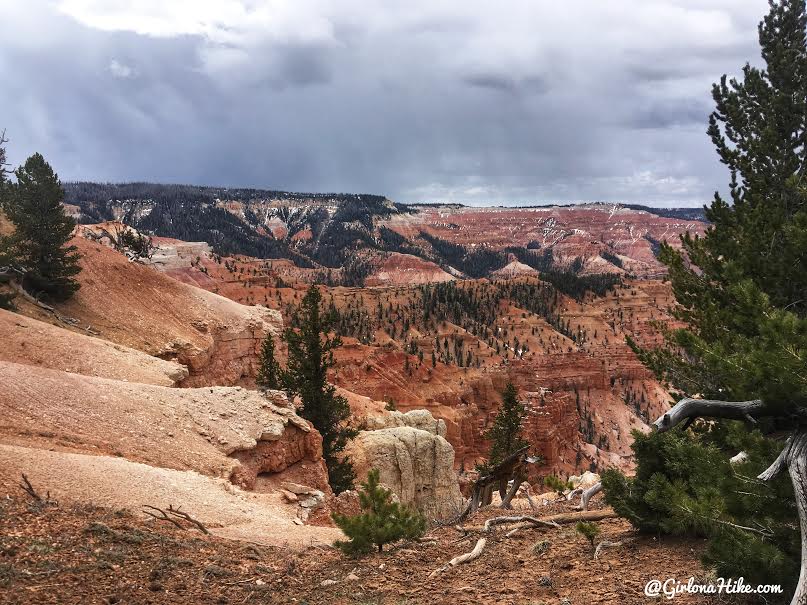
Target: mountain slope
(347, 239)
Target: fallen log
(561, 518)
(584, 515)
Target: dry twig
(29, 489)
(162, 515)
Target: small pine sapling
(557, 484)
(381, 521)
(589, 531)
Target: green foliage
(589, 531)
(557, 484)
(7, 302)
(685, 485)
(741, 291)
(474, 262)
(269, 372)
(380, 522)
(505, 434)
(310, 355)
(41, 231)
(139, 244)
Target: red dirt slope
(139, 307)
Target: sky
(473, 101)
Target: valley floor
(65, 554)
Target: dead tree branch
(513, 468)
(608, 544)
(689, 409)
(183, 515)
(466, 558)
(535, 522)
(554, 520)
(588, 494)
(26, 486)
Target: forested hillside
(347, 237)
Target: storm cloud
(518, 101)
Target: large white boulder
(416, 464)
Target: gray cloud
(517, 103)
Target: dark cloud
(671, 113)
(506, 83)
(520, 103)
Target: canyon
(155, 358)
(140, 391)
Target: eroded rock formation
(414, 461)
(225, 432)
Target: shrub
(684, 485)
(557, 484)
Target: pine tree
(505, 434)
(41, 231)
(3, 163)
(380, 522)
(269, 372)
(310, 355)
(742, 292)
(6, 271)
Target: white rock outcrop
(419, 419)
(585, 480)
(413, 458)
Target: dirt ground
(62, 554)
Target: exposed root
(588, 495)
(466, 558)
(574, 493)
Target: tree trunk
(487, 494)
(517, 481)
(794, 457)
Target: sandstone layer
(115, 482)
(571, 232)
